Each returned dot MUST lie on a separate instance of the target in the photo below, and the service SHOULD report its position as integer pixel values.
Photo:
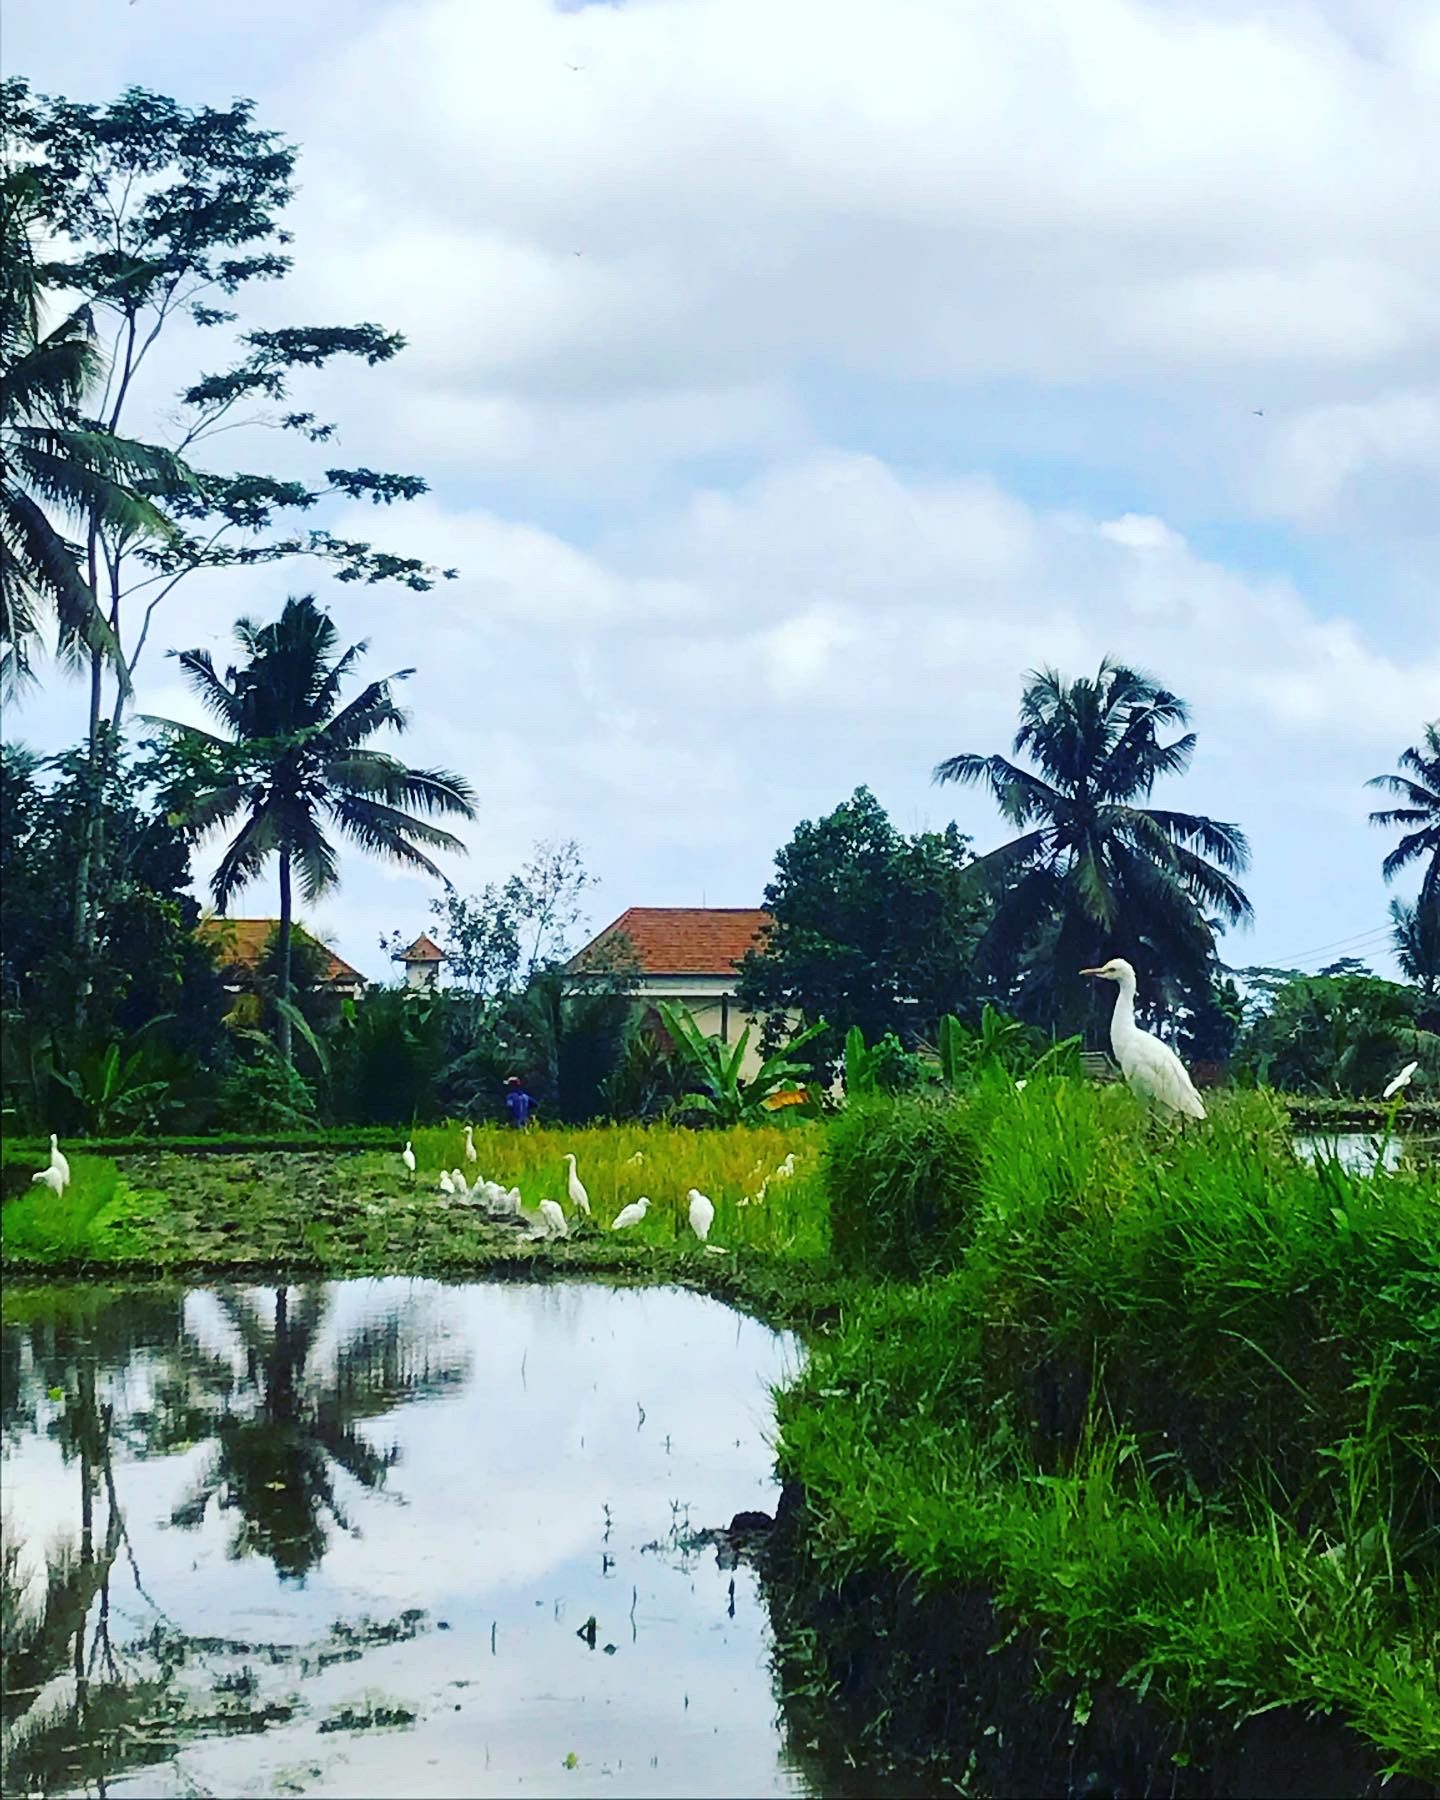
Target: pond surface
(386, 1537)
(1359, 1151)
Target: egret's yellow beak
(1092, 971)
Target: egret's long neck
(1122, 1020)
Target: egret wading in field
(1151, 1069)
(702, 1214)
(578, 1197)
(59, 1162)
(470, 1154)
(631, 1214)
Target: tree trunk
(283, 1022)
(83, 942)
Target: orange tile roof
(240, 943)
(684, 940)
(424, 949)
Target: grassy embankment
(327, 1212)
(1155, 1409)
(1169, 1402)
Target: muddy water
(386, 1537)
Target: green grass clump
(89, 1222)
(1173, 1408)
(902, 1177)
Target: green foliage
(1415, 936)
(265, 1095)
(295, 754)
(1173, 1406)
(146, 971)
(869, 928)
(1099, 874)
(647, 1081)
(729, 1098)
(886, 1067)
(71, 1227)
(1417, 788)
(152, 210)
(901, 1177)
(388, 1054)
(1339, 1035)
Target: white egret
(631, 1214)
(58, 1161)
(462, 1186)
(407, 1156)
(1151, 1069)
(51, 1178)
(1020, 1085)
(554, 1217)
(638, 1157)
(470, 1155)
(578, 1197)
(702, 1214)
(447, 1186)
(1392, 1087)
(787, 1168)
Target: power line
(1356, 939)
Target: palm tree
(1101, 874)
(295, 754)
(53, 462)
(1415, 935)
(1418, 788)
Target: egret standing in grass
(553, 1215)
(58, 1162)
(631, 1214)
(578, 1197)
(447, 1186)
(407, 1156)
(1151, 1069)
(702, 1214)
(50, 1178)
(470, 1155)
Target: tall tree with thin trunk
(1417, 787)
(1099, 873)
(295, 760)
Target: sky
(791, 380)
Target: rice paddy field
(1139, 1422)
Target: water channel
(387, 1537)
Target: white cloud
(1321, 456)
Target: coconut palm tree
(1415, 936)
(1418, 788)
(295, 755)
(1101, 874)
(54, 463)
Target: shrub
(901, 1174)
(265, 1096)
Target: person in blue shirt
(519, 1105)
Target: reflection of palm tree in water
(276, 1463)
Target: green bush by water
(1174, 1406)
(84, 1223)
(902, 1177)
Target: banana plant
(729, 1098)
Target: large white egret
(702, 1213)
(578, 1197)
(554, 1217)
(1151, 1069)
(631, 1214)
(407, 1156)
(447, 1186)
(470, 1154)
(50, 1178)
(1395, 1085)
(58, 1161)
